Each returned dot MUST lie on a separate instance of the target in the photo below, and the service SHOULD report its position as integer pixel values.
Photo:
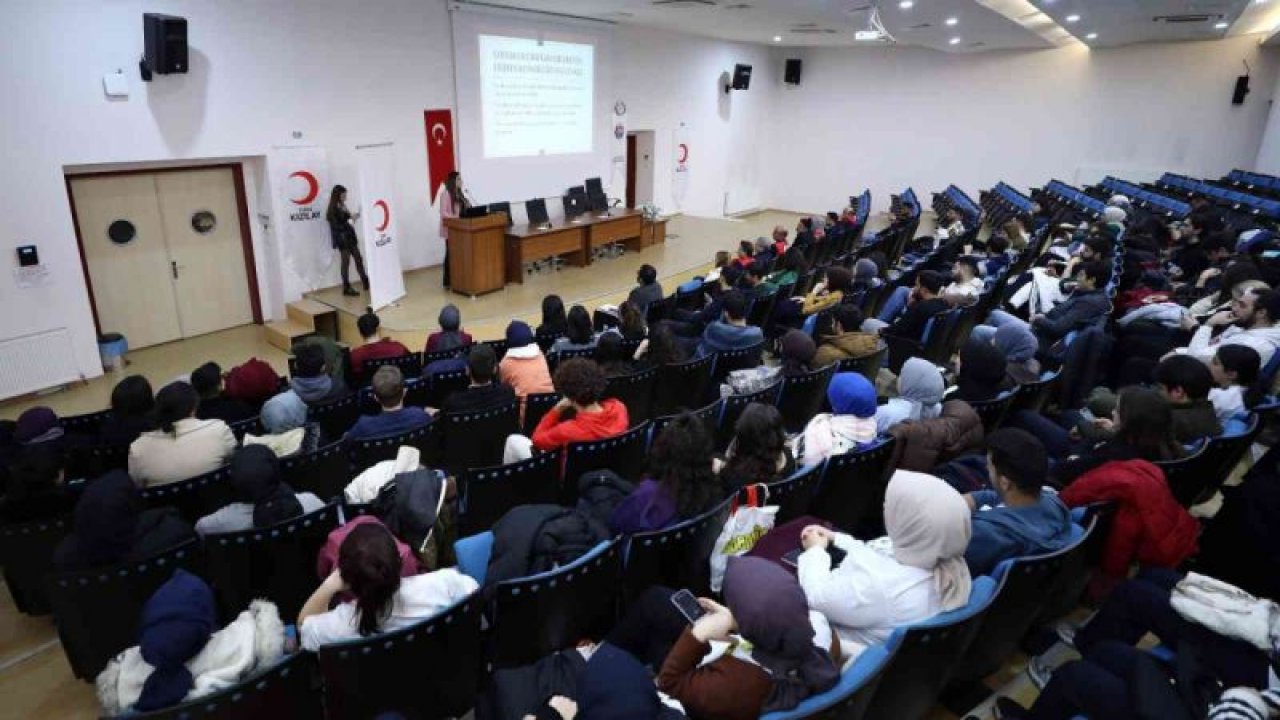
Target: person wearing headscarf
(179, 656)
(866, 275)
(797, 352)
(850, 424)
(919, 572)
(762, 646)
(1019, 346)
(920, 389)
(109, 526)
(981, 374)
(262, 500)
(284, 417)
(451, 336)
(38, 425)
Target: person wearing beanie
(262, 500)
(38, 425)
(524, 367)
(1019, 346)
(850, 425)
(450, 336)
(375, 347)
(981, 373)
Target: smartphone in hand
(688, 606)
(837, 556)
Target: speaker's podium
(477, 253)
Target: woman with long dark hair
(758, 452)
(344, 239)
(681, 483)
(662, 348)
(452, 202)
(579, 333)
(1143, 428)
(554, 321)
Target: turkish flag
(439, 148)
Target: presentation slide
(536, 96)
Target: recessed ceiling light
(777, 38)
(952, 21)
(1073, 18)
(954, 41)
(1222, 25)
(1091, 36)
(907, 4)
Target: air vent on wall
(684, 3)
(1180, 19)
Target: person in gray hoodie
(731, 332)
(1021, 519)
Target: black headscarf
(255, 478)
(982, 372)
(106, 519)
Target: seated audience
(1142, 428)
(647, 290)
(612, 684)
(679, 484)
(612, 355)
(484, 392)
(131, 403)
(846, 341)
(866, 276)
(796, 351)
(35, 488)
(753, 284)
(395, 418)
(182, 447)
(450, 336)
(374, 347)
(925, 301)
(731, 331)
(214, 405)
(1085, 306)
(793, 265)
(524, 367)
(997, 260)
(1252, 321)
(39, 425)
(661, 348)
(746, 254)
(1018, 345)
(1186, 382)
(850, 424)
(284, 418)
(182, 656)
(1016, 232)
(369, 569)
(1016, 517)
(579, 333)
(311, 380)
(262, 500)
(873, 591)
(582, 415)
(981, 373)
(828, 293)
(632, 323)
(779, 238)
(764, 255)
(920, 389)
(1236, 279)
(554, 321)
(691, 323)
(1235, 371)
(758, 452)
(951, 227)
(110, 525)
(965, 285)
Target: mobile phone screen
(793, 558)
(688, 606)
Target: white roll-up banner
(300, 177)
(379, 239)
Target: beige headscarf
(929, 523)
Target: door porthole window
(122, 232)
(203, 222)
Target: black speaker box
(741, 77)
(165, 46)
(1242, 89)
(791, 75)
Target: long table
(573, 239)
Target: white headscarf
(929, 523)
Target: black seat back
(335, 418)
(91, 461)
(277, 563)
(742, 359)
(476, 439)
(97, 611)
(675, 557)
(282, 690)
(26, 553)
(410, 366)
(735, 404)
(86, 424)
(868, 367)
(442, 385)
(536, 405)
(851, 493)
(801, 397)
(684, 385)
(623, 454)
(993, 411)
(499, 347)
(366, 678)
(367, 453)
(193, 498)
(324, 473)
(709, 415)
(1034, 396)
(794, 495)
(636, 392)
(485, 494)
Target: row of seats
(1167, 206)
(1075, 198)
(1237, 200)
(1248, 179)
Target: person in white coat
(913, 574)
(183, 447)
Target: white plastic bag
(746, 525)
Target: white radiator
(36, 362)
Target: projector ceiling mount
(875, 31)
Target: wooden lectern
(477, 256)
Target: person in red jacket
(375, 347)
(581, 416)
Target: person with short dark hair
(311, 380)
(183, 446)
(648, 290)
(1186, 382)
(582, 414)
(1251, 321)
(997, 259)
(965, 285)
(131, 402)
(753, 282)
(924, 302)
(746, 254)
(1235, 370)
(374, 347)
(1016, 517)
(214, 405)
(1088, 304)
(395, 418)
(846, 339)
(731, 331)
(484, 392)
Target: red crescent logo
(439, 136)
(386, 215)
(313, 187)
(683, 155)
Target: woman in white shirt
(369, 569)
(913, 574)
(1235, 370)
(183, 447)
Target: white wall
(1269, 152)
(889, 118)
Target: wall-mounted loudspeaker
(1242, 89)
(791, 75)
(741, 78)
(165, 44)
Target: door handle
(174, 265)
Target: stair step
(305, 311)
(282, 333)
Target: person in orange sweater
(581, 416)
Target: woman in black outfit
(344, 239)
(1143, 427)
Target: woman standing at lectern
(344, 239)
(452, 203)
